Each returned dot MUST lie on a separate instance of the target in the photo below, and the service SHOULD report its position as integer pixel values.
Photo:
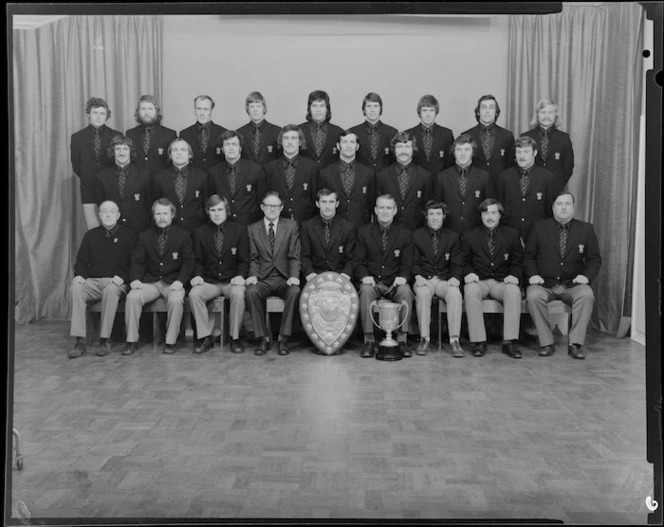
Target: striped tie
(146, 140)
(257, 140)
(326, 232)
(434, 242)
(374, 142)
(122, 181)
(524, 182)
(428, 142)
(180, 186)
(270, 235)
(563, 239)
(232, 180)
(403, 182)
(487, 143)
(205, 138)
(96, 144)
(348, 177)
(492, 243)
(290, 176)
(545, 145)
(162, 242)
(463, 182)
(218, 240)
(384, 240)
(318, 139)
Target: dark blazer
(269, 149)
(234, 258)
(102, 257)
(301, 204)
(441, 155)
(249, 190)
(542, 255)
(463, 214)
(419, 191)
(177, 262)
(369, 259)
(507, 260)
(359, 205)
(560, 159)
(522, 212)
(317, 256)
(285, 257)
(502, 155)
(385, 157)
(329, 153)
(83, 160)
(135, 207)
(156, 158)
(191, 212)
(448, 263)
(213, 155)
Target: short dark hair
(484, 206)
(164, 202)
(230, 134)
(428, 100)
(153, 100)
(96, 102)
(292, 128)
(255, 96)
(403, 137)
(565, 193)
(326, 192)
(462, 140)
(372, 97)
(525, 141)
(121, 140)
(348, 132)
(488, 97)
(214, 200)
(319, 95)
(434, 204)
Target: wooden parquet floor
(306, 436)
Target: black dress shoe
(479, 349)
(576, 351)
(405, 350)
(130, 348)
(236, 346)
(169, 349)
(205, 344)
(368, 350)
(262, 348)
(423, 347)
(282, 347)
(510, 349)
(547, 351)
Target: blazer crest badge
(447, 256)
(441, 154)
(539, 196)
(270, 148)
(115, 240)
(249, 187)
(305, 186)
(478, 193)
(197, 193)
(160, 151)
(507, 256)
(397, 252)
(387, 151)
(175, 255)
(233, 251)
(581, 247)
(419, 194)
(502, 152)
(341, 249)
(364, 190)
(557, 154)
(137, 197)
(218, 150)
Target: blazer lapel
(279, 237)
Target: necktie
(290, 176)
(348, 179)
(162, 242)
(107, 233)
(205, 138)
(270, 234)
(218, 240)
(524, 182)
(434, 242)
(318, 140)
(487, 143)
(545, 145)
(146, 140)
(232, 180)
(492, 243)
(122, 181)
(180, 186)
(326, 232)
(374, 142)
(403, 182)
(463, 183)
(428, 142)
(563, 240)
(96, 144)
(384, 240)
(257, 140)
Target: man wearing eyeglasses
(274, 269)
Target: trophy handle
(404, 304)
(373, 303)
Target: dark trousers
(273, 285)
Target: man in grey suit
(274, 268)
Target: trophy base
(389, 353)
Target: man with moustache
(203, 136)
(319, 133)
(274, 269)
(555, 146)
(526, 191)
(101, 272)
(383, 261)
(222, 262)
(493, 259)
(496, 145)
(294, 177)
(88, 153)
(126, 184)
(161, 264)
(353, 183)
(150, 137)
(462, 187)
(259, 136)
(408, 183)
(560, 261)
(373, 135)
(437, 268)
(433, 141)
(240, 181)
(185, 186)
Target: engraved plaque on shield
(329, 307)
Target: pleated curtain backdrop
(588, 60)
(57, 68)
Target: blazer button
(491, 264)
(523, 219)
(161, 263)
(523, 199)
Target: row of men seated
(249, 263)
(297, 160)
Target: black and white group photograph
(315, 263)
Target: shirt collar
(221, 227)
(565, 225)
(182, 169)
(491, 128)
(285, 161)
(207, 125)
(425, 128)
(165, 230)
(118, 167)
(101, 129)
(267, 223)
(459, 169)
(344, 165)
(385, 228)
(372, 126)
(526, 170)
(110, 232)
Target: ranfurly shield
(329, 307)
